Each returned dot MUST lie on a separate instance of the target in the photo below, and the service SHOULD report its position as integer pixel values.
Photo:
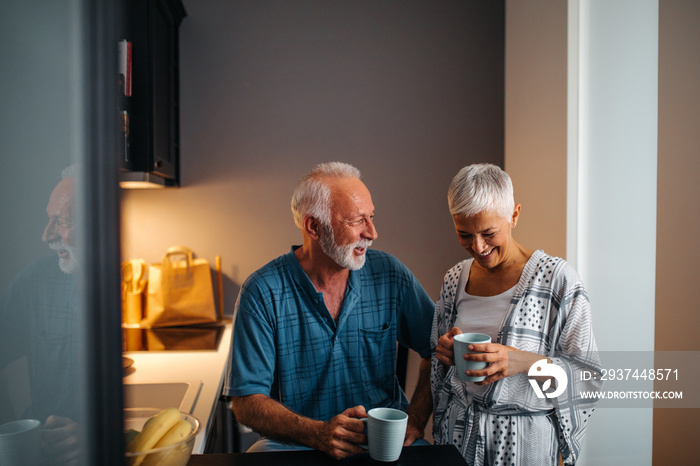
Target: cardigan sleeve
(575, 350)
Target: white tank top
(479, 314)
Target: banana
(129, 436)
(181, 430)
(172, 456)
(153, 431)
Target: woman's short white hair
(479, 188)
(312, 196)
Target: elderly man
(314, 344)
(39, 349)
(58, 234)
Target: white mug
(461, 343)
(386, 431)
(20, 442)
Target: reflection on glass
(43, 371)
(41, 338)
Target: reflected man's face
(59, 231)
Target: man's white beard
(343, 255)
(69, 265)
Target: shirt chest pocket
(377, 351)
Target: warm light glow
(140, 185)
(142, 180)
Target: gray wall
(409, 92)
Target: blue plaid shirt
(40, 328)
(287, 346)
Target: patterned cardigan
(549, 315)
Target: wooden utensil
(220, 288)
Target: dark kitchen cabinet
(150, 103)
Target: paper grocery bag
(180, 291)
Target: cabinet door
(164, 68)
(153, 141)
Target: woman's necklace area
(485, 282)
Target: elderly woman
(535, 308)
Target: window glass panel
(49, 364)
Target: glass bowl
(177, 454)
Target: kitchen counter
(207, 366)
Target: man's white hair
(71, 171)
(312, 196)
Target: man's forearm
(271, 419)
(340, 437)
(421, 406)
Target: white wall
(611, 187)
(616, 201)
